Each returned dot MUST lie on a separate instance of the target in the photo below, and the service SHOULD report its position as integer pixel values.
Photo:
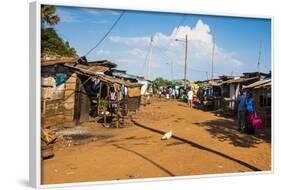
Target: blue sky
(237, 41)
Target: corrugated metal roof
(55, 61)
(105, 63)
(124, 75)
(258, 83)
(98, 69)
(266, 85)
(101, 76)
(239, 80)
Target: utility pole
(259, 58)
(149, 59)
(213, 51)
(185, 61)
(172, 71)
(213, 54)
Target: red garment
(256, 121)
(250, 116)
(194, 98)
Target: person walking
(173, 93)
(189, 97)
(250, 113)
(167, 93)
(170, 92)
(241, 110)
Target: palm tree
(48, 15)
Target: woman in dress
(250, 113)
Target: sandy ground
(204, 144)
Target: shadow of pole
(144, 157)
(201, 147)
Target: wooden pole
(259, 59)
(213, 51)
(117, 111)
(213, 54)
(149, 59)
(172, 72)
(99, 96)
(185, 61)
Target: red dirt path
(134, 152)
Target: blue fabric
(60, 78)
(242, 102)
(95, 85)
(250, 105)
(123, 89)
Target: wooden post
(117, 110)
(185, 62)
(104, 118)
(99, 96)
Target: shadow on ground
(225, 130)
(146, 158)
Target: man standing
(241, 101)
(190, 96)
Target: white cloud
(199, 38)
(122, 61)
(100, 21)
(131, 41)
(67, 17)
(167, 49)
(137, 52)
(100, 11)
(103, 52)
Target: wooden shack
(134, 98)
(88, 73)
(66, 95)
(58, 86)
(230, 88)
(261, 91)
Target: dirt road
(204, 144)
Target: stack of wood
(47, 144)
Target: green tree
(49, 16)
(159, 82)
(51, 42)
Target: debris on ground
(167, 135)
(134, 175)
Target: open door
(82, 100)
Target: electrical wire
(168, 45)
(106, 34)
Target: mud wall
(57, 100)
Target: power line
(196, 70)
(259, 59)
(168, 45)
(171, 40)
(163, 49)
(106, 34)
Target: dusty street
(204, 144)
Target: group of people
(169, 92)
(173, 93)
(246, 111)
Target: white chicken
(167, 135)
